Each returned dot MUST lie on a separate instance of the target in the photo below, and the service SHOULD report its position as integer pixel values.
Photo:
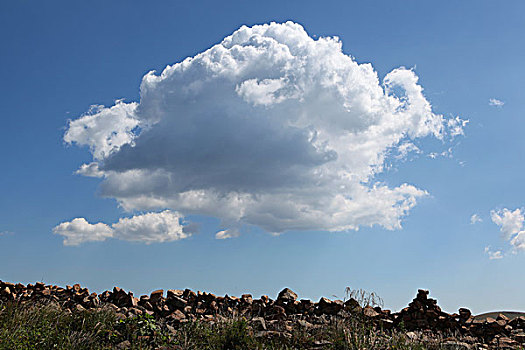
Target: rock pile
(424, 313)
(266, 315)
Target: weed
(363, 297)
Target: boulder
(175, 302)
(247, 299)
(174, 293)
(464, 314)
(327, 306)
(287, 295)
(156, 296)
(370, 312)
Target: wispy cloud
(475, 218)
(495, 102)
(445, 154)
(225, 234)
(6, 233)
(493, 255)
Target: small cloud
(445, 154)
(225, 234)
(6, 233)
(147, 228)
(493, 255)
(405, 148)
(475, 218)
(495, 102)
(511, 224)
(456, 126)
(90, 170)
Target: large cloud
(148, 228)
(270, 128)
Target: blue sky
(60, 58)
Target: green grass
(48, 326)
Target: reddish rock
(287, 295)
(175, 302)
(422, 295)
(464, 314)
(247, 299)
(307, 305)
(519, 336)
(502, 317)
(213, 306)
(327, 306)
(370, 312)
(6, 293)
(177, 315)
(174, 293)
(278, 312)
(156, 296)
(190, 296)
(352, 305)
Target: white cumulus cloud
(104, 130)
(151, 227)
(90, 170)
(496, 103)
(147, 228)
(510, 222)
(271, 128)
(78, 231)
(511, 225)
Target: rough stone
(156, 296)
(174, 293)
(278, 318)
(370, 312)
(176, 302)
(327, 306)
(177, 315)
(287, 295)
(258, 324)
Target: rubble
(278, 317)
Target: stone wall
(176, 307)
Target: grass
(31, 326)
(49, 327)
